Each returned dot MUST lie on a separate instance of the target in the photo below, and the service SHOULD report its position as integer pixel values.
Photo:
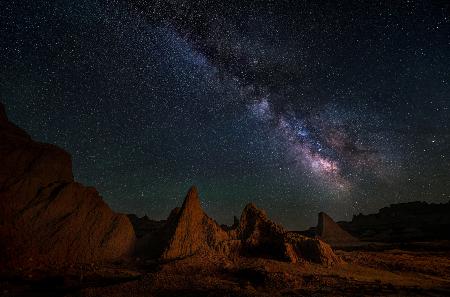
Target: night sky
(297, 106)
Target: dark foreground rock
(47, 220)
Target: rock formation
(47, 220)
(331, 232)
(189, 231)
(262, 237)
(403, 222)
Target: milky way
(299, 107)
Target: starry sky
(297, 106)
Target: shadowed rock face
(46, 219)
(331, 232)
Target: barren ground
(420, 269)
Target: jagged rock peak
(192, 200)
(190, 231)
(252, 210)
(250, 217)
(251, 207)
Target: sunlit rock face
(47, 220)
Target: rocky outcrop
(403, 222)
(331, 232)
(262, 237)
(189, 231)
(47, 220)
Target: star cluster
(298, 106)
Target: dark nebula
(298, 106)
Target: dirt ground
(420, 269)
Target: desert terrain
(59, 238)
(417, 269)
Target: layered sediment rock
(47, 220)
